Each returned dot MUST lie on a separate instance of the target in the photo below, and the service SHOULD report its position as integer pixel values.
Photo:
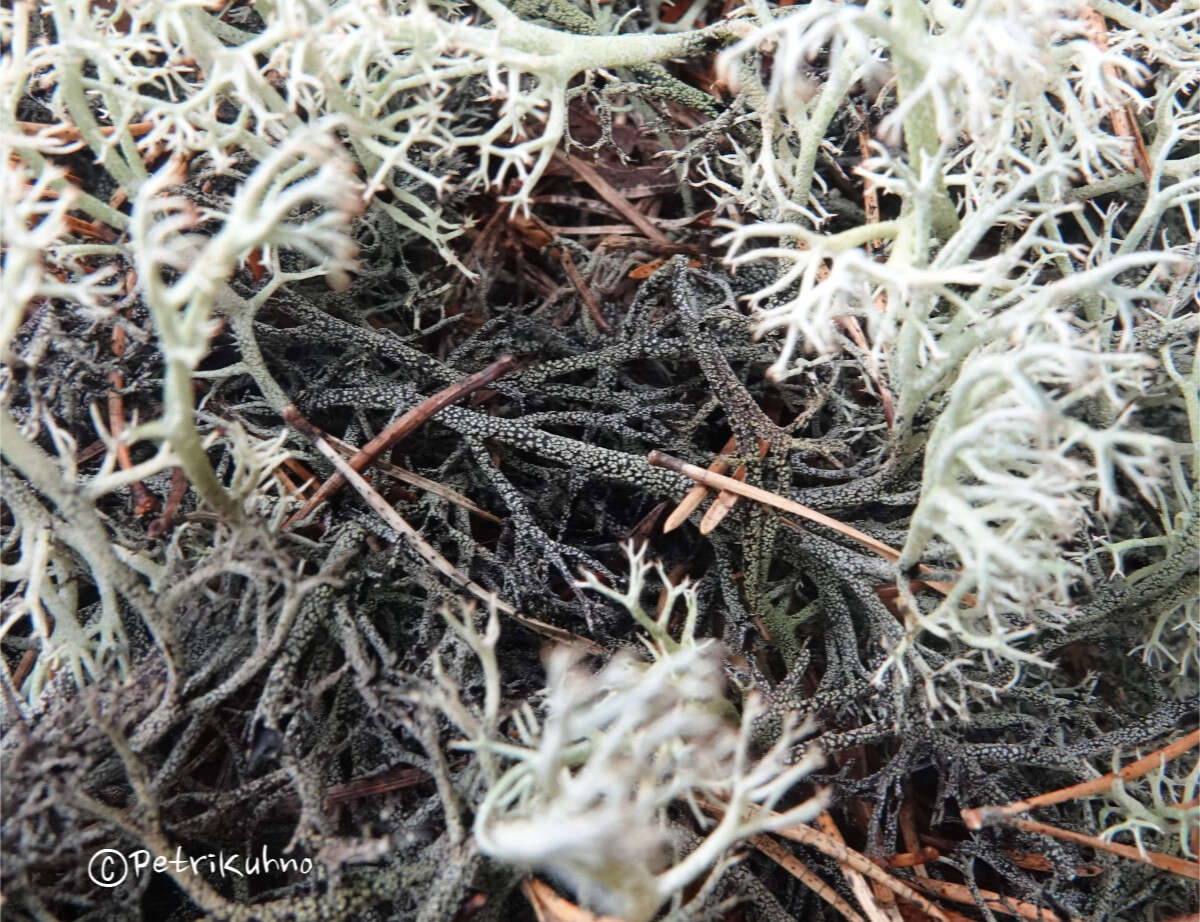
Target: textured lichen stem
(920, 124)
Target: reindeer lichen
(927, 267)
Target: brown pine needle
(720, 482)
(722, 505)
(548, 906)
(71, 133)
(144, 502)
(1156, 859)
(585, 172)
(423, 548)
(416, 480)
(806, 835)
(28, 658)
(402, 427)
(1123, 123)
(391, 780)
(912, 842)
(285, 481)
(908, 859)
(977, 817)
(307, 479)
(179, 486)
(994, 901)
(695, 496)
(869, 901)
(870, 193)
(862, 864)
(1031, 861)
(799, 870)
(726, 500)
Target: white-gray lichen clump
(929, 267)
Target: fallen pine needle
(548, 906)
(1156, 859)
(402, 427)
(841, 853)
(727, 499)
(416, 480)
(799, 870)
(423, 548)
(606, 191)
(993, 901)
(720, 482)
(695, 496)
(858, 883)
(977, 817)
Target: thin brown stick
(1123, 123)
(423, 548)
(391, 780)
(870, 193)
(695, 496)
(908, 829)
(86, 454)
(977, 817)
(913, 859)
(403, 426)
(994, 901)
(285, 481)
(548, 906)
(306, 476)
(1028, 860)
(144, 502)
(416, 480)
(179, 485)
(799, 870)
(862, 864)
(1156, 859)
(585, 172)
(601, 230)
(71, 133)
(91, 230)
(843, 853)
(868, 900)
(28, 658)
(726, 499)
(851, 325)
(1031, 861)
(722, 505)
(720, 482)
(583, 288)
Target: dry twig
(589, 175)
(994, 901)
(402, 427)
(1156, 859)
(720, 482)
(858, 884)
(799, 870)
(978, 817)
(845, 855)
(423, 548)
